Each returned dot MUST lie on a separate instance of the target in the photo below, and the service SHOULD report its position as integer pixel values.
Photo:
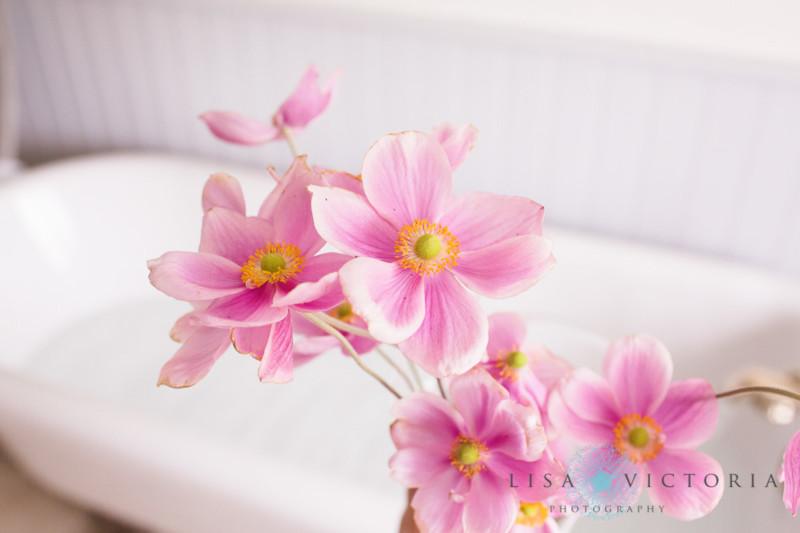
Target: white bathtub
(83, 337)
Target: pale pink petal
(424, 420)
(239, 129)
(506, 333)
(530, 420)
(507, 268)
(308, 100)
(791, 475)
(476, 396)
(530, 477)
(223, 190)
(343, 180)
(251, 341)
(184, 326)
(349, 223)
(480, 219)
(457, 142)
(267, 209)
(192, 276)
(414, 467)
(195, 357)
(683, 501)
(452, 338)
(391, 299)
(688, 414)
(234, 236)
(549, 368)
(407, 177)
(515, 431)
(591, 397)
(437, 508)
(251, 307)
(491, 506)
(276, 365)
(571, 420)
(317, 287)
(639, 370)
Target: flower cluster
(487, 453)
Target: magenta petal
(596, 426)
(415, 467)
(195, 357)
(317, 287)
(234, 236)
(506, 333)
(251, 307)
(480, 219)
(491, 506)
(437, 510)
(308, 101)
(239, 129)
(389, 298)
(682, 501)
(222, 190)
(192, 276)
(639, 370)
(476, 396)
(688, 414)
(407, 177)
(515, 431)
(291, 216)
(529, 476)
(251, 341)
(791, 475)
(276, 365)
(507, 268)
(424, 420)
(457, 142)
(348, 222)
(452, 338)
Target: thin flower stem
(396, 367)
(755, 389)
(290, 141)
(415, 372)
(327, 328)
(441, 388)
(344, 326)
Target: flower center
(532, 514)
(275, 263)
(639, 437)
(509, 363)
(467, 455)
(343, 312)
(426, 248)
(516, 359)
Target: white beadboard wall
(696, 151)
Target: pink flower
(418, 245)
(791, 475)
(250, 271)
(457, 142)
(462, 458)
(657, 424)
(534, 518)
(307, 102)
(315, 341)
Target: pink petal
(348, 222)
(506, 333)
(452, 338)
(234, 236)
(583, 407)
(222, 190)
(791, 475)
(251, 341)
(192, 276)
(184, 326)
(515, 431)
(317, 286)
(480, 219)
(414, 467)
(530, 420)
(195, 357)
(267, 209)
(436, 508)
(407, 177)
(424, 420)
(688, 414)
(251, 307)
(502, 466)
(239, 129)
(457, 142)
(507, 268)
(639, 370)
(491, 506)
(276, 365)
(307, 101)
(682, 501)
(343, 180)
(389, 298)
(476, 396)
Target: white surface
(83, 336)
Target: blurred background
(674, 123)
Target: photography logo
(601, 482)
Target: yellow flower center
(426, 248)
(275, 263)
(467, 455)
(509, 363)
(516, 359)
(638, 437)
(532, 514)
(343, 312)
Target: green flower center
(516, 359)
(638, 437)
(467, 453)
(428, 246)
(344, 311)
(272, 262)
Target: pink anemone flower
(418, 245)
(790, 474)
(657, 424)
(308, 101)
(250, 271)
(461, 458)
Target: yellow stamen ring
(467, 455)
(532, 514)
(510, 362)
(275, 263)
(638, 437)
(426, 248)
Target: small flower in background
(461, 458)
(534, 518)
(457, 142)
(418, 245)
(790, 472)
(657, 424)
(315, 342)
(307, 102)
